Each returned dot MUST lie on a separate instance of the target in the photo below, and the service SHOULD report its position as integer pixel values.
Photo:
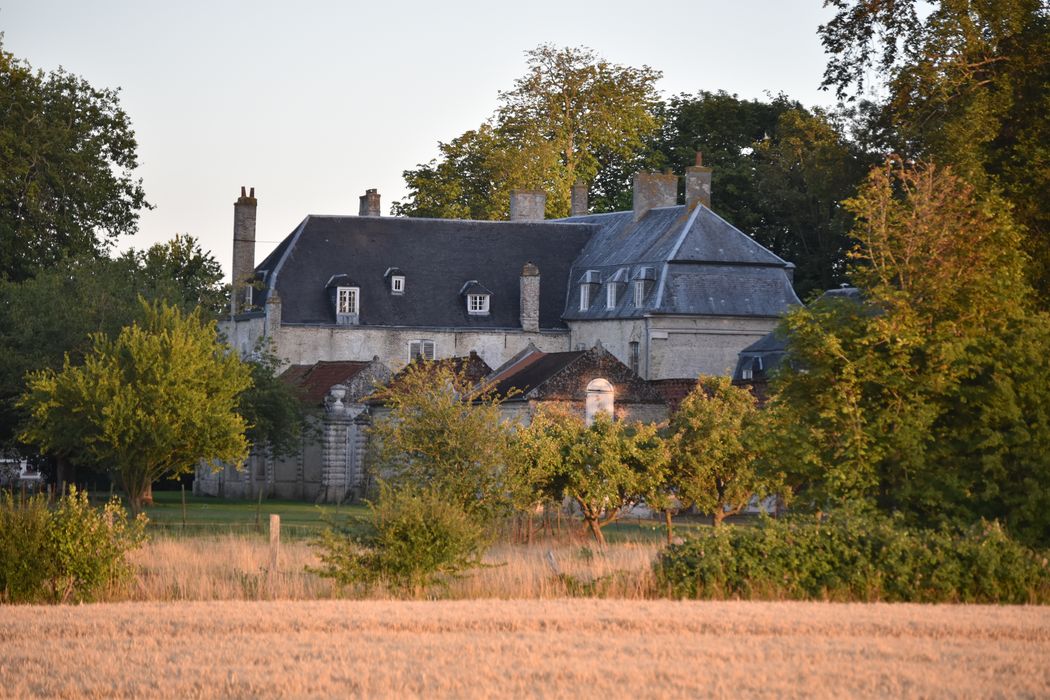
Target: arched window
(599, 399)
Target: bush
(71, 552)
(414, 538)
(853, 556)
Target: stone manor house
(650, 297)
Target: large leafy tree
(67, 154)
(153, 402)
(964, 84)
(927, 395)
(569, 114)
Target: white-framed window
(600, 399)
(478, 304)
(634, 355)
(421, 349)
(347, 299)
(585, 297)
(611, 293)
(397, 284)
(639, 293)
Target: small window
(611, 290)
(421, 349)
(639, 293)
(599, 399)
(633, 355)
(585, 297)
(478, 304)
(347, 300)
(397, 284)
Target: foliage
(928, 395)
(180, 272)
(270, 407)
(71, 552)
(68, 153)
(716, 463)
(855, 556)
(155, 401)
(966, 86)
(415, 538)
(569, 114)
(445, 434)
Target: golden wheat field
(537, 648)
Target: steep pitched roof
(473, 368)
(437, 257)
(704, 266)
(314, 381)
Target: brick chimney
(579, 199)
(370, 203)
(530, 298)
(654, 190)
(698, 184)
(243, 250)
(527, 205)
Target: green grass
(220, 516)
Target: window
(639, 293)
(611, 290)
(397, 284)
(585, 297)
(478, 304)
(633, 355)
(599, 399)
(421, 349)
(346, 300)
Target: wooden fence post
(275, 541)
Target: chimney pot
(699, 158)
(242, 190)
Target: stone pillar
(243, 249)
(335, 448)
(697, 184)
(370, 204)
(528, 205)
(654, 190)
(530, 298)
(579, 200)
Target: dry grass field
(538, 648)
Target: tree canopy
(155, 401)
(66, 172)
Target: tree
(270, 407)
(66, 185)
(569, 112)
(715, 463)
(155, 401)
(965, 86)
(180, 272)
(924, 396)
(443, 433)
(606, 467)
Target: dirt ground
(537, 648)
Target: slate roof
(314, 381)
(529, 372)
(437, 257)
(473, 368)
(703, 266)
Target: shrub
(854, 556)
(413, 538)
(71, 552)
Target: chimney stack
(654, 190)
(528, 205)
(530, 298)
(698, 184)
(579, 199)
(243, 250)
(370, 203)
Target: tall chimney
(579, 199)
(698, 184)
(370, 203)
(530, 298)
(654, 190)
(527, 205)
(243, 250)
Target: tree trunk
(65, 474)
(670, 531)
(718, 516)
(528, 529)
(596, 530)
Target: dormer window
(348, 298)
(643, 283)
(590, 280)
(397, 284)
(477, 298)
(613, 288)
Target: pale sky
(312, 103)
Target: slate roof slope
(436, 256)
(703, 266)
